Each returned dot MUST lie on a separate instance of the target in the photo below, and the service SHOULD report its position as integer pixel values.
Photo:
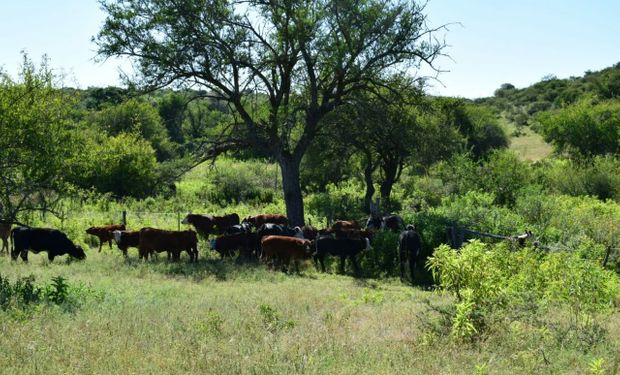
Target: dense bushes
(123, 165)
(487, 280)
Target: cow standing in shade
(125, 239)
(52, 241)
(5, 234)
(259, 220)
(283, 249)
(209, 224)
(342, 248)
(409, 247)
(105, 233)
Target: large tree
(306, 56)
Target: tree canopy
(307, 57)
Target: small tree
(36, 141)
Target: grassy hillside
(529, 145)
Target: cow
(389, 222)
(342, 248)
(258, 220)
(125, 239)
(52, 241)
(104, 233)
(174, 242)
(409, 249)
(270, 229)
(226, 245)
(340, 225)
(209, 224)
(5, 235)
(244, 227)
(283, 249)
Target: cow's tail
(12, 244)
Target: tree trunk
(370, 188)
(389, 179)
(292, 190)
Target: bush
(487, 280)
(338, 202)
(383, 259)
(123, 165)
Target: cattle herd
(266, 237)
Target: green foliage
(123, 165)
(488, 279)
(382, 259)
(252, 183)
(586, 128)
(138, 117)
(171, 109)
(337, 203)
(36, 139)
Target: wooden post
(124, 219)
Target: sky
(490, 42)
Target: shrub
(123, 165)
(487, 280)
(382, 260)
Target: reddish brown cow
(174, 242)
(5, 234)
(341, 225)
(226, 245)
(259, 220)
(105, 233)
(209, 224)
(283, 249)
(126, 238)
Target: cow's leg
(341, 265)
(412, 266)
(110, 243)
(5, 246)
(403, 259)
(50, 256)
(356, 267)
(322, 261)
(100, 244)
(296, 265)
(24, 255)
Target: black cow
(409, 247)
(340, 247)
(389, 222)
(244, 227)
(53, 241)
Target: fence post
(124, 218)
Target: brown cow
(284, 248)
(226, 245)
(126, 238)
(5, 234)
(174, 242)
(105, 233)
(345, 225)
(259, 220)
(209, 224)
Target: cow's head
(309, 248)
(299, 233)
(117, 236)
(78, 252)
(187, 218)
(374, 222)
(91, 230)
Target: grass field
(529, 145)
(229, 318)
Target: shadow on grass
(247, 269)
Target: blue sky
(496, 41)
